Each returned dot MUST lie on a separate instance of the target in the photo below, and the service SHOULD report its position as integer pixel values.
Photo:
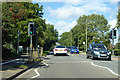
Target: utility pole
(86, 36)
(71, 38)
(78, 38)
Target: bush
(117, 52)
(8, 54)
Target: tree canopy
(16, 16)
(97, 30)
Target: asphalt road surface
(72, 66)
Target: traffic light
(31, 29)
(114, 36)
(110, 34)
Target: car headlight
(96, 52)
(109, 53)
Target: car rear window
(60, 46)
(99, 46)
(69, 47)
(74, 47)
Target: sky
(64, 13)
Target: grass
(33, 60)
(21, 66)
(45, 53)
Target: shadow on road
(61, 55)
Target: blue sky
(63, 14)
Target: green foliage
(117, 52)
(117, 46)
(97, 28)
(21, 66)
(16, 16)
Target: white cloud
(72, 10)
(112, 23)
(63, 26)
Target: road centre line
(105, 68)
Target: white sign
(83, 42)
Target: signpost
(84, 45)
(18, 43)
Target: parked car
(74, 49)
(98, 51)
(60, 49)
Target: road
(72, 66)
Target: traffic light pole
(113, 41)
(31, 46)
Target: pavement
(10, 71)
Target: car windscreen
(74, 47)
(98, 47)
(68, 47)
(60, 46)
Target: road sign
(83, 42)
(18, 32)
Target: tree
(97, 27)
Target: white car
(60, 49)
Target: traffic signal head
(114, 34)
(31, 29)
(110, 34)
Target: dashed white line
(105, 68)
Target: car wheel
(87, 57)
(92, 57)
(109, 59)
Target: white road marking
(36, 73)
(105, 68)
(9, 61)
(24, 73)
(45, 64)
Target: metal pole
(18, 44)
(113, 41)
(86, 37)
(31, 47)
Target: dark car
(74, 49)
(68, 48)
(98, 51)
